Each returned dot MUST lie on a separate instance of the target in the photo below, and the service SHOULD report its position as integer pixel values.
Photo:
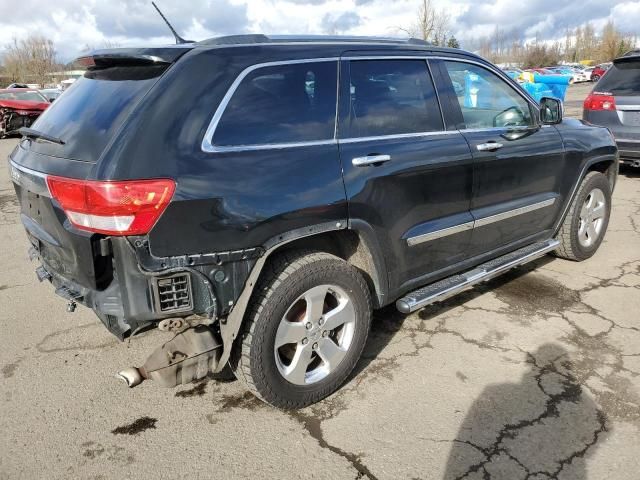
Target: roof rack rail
(260, 38)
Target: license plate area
(631, 118)
(32, 205)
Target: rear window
(92, 110)
(622, 78)
(281, 104)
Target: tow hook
(71, 306)
(190, 355)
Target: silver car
(615, 103)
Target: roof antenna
(178, 38)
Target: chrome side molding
(481, 222)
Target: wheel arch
(355, 243)
(605, 164)
(355, 246)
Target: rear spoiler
(629, 57)
(132, 56)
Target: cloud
(546, 19)
(344, 22)
(72, 24)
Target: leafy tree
(453, 43)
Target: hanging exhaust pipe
(190, 355)
(131, 376)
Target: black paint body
(229, 206)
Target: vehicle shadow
(542, 426)
(629, 172)
(388, 321)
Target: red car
(598, 71)
(19, 107)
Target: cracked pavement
(535, 375)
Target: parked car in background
(51, 93)
(576, 75)
(259, 196)
(20, 107)
(513, 72)
(588, 72)
(599, 70)
(615, 104)
(33, 86)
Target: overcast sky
(72, 24)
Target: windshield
(92, 110)
(623, 78)
(27, 96)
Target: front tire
(305, 329)
(587, 220)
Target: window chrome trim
(513, 213)
(426, 237)
(396, 136)
(207, 141)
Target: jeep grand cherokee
(259, 196)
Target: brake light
(129, 207)
(600, 101)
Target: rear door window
(622, 79)
(281, 104)
(390, 97)
(92, 110)
(486, 100)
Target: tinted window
(485, 99)
(391, 97)
(281, 104)
(90, 112)
(622, 79)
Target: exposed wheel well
(351, 247)
(608, 168)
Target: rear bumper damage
(135, 298)
(12, 119)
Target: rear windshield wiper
(31, 133)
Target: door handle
(489, 146)
(370, 160)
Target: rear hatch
(85, 119)
(615, 102)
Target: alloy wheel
(592, 217)
(315, 334)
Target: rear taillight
(600, 101)
(129, 207)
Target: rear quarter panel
(223, 201)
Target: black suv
(259, 196)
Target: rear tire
(595, 78)
(305, 329)
(586, 222)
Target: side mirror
(551, 111)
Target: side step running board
(439, 291)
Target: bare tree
(431, 24)
(30, 60)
